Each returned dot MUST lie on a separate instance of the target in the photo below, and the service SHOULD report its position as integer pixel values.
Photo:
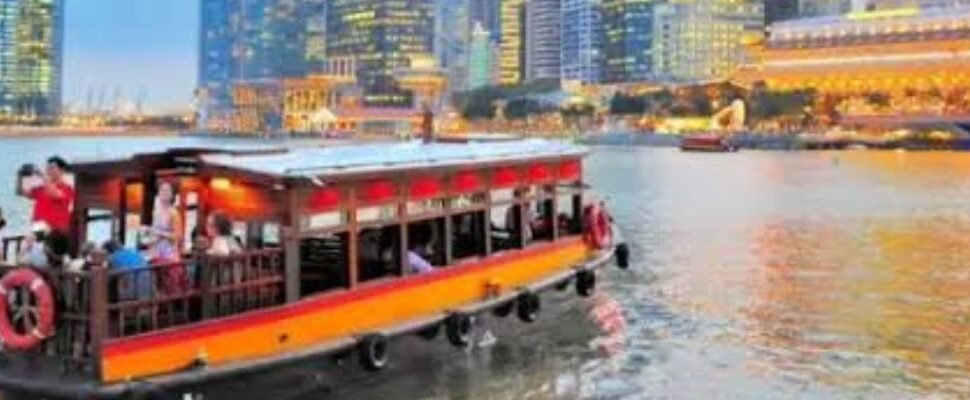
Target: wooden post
(206, 277)
(291, 244)
(402, 212)
(487, 226)
(554, 205)
(98, 323)
(449, 235)
(352, 237)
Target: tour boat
(327, 235)
(707, 144)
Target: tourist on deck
(136, 283)
(417, 264)
(33, 250)
(53, 196)
(221, 241)
(165, 234)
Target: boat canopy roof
(375, 158)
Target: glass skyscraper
(543, 26)
(451, 40)
(581, 40)
(628, 40)
(243, 40)
(383, 36)
(31, 48)
(512, 47)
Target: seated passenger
(417, 264)
(221, 241)
(33, 252)
(136, 283)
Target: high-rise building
(581, 41)
(780, 10)
(511, 62)
(486, 13)
(31, 51)
(700, 40)
(244, 40)
(482, 55)
(383, 36)
(451, 39)
(628, 40)
(543, 27)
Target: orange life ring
(599, 231)
(25, 325)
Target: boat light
(221, 184)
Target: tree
(480, 103)
(622, 104)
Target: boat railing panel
(71, 341)
(11, 246)
(199, 288)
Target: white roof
(355, 159)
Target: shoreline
(21, 132)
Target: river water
(757, 275)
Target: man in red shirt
(54, 200)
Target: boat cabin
(310, 223)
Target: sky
(135, 48)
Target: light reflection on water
(757, 276)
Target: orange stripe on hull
(333, 316)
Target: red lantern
(539, 173)
(324, 200)
(425, 188)
(466, 182)
(378, 191)
(505, 178)
(570, 171)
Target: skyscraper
(383, 36)
(780, 10)
(255, 39)
(451, 40)
(543, 26)
(511, 45)
(581, 41)
(700, 40)
(486, 13)
(482, 54)
(31, 51)
(628, 41)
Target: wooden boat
(325, 269)
(707, 144)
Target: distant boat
(707, 144)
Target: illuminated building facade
(907, 61)
(701, 40)
(628, 40)
(781, 10)
(581, 41)
(482, 59)
(543, 50)
(252, 40)
(31, 51)
(383, 36)
(511, 47)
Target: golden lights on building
(511, 44)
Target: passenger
(85, 258)
(136, 283)
(33, 251)
(417, 264)
(221, 241)
(53, 197)
(522, 212)
(165, 234)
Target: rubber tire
(147, 392)
(430, 333)
(459, 329)
(623, 256)
(528, 306)
(504, 309)
(564, 285)
(373, 352)
(586, 283)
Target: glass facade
(244, 40)
(627, 40)
(543, 25)
(700, 40)
(581, 40)
(383, 36)
(452, 36)
(486, 13)
(481, 59)
(31, 47)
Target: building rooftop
(371, 158)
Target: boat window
(569, 208)
(542, 215)
(132, 230)
(324, 263)
(468, 235)
(379, 253)
(426, 238)
(100, 225)
(505, 227)
(377, 213)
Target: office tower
(31, 53)
(628, 40)
(383, 36)
(482, 55)
(581, 41)
(543, 27)
(451, 40)
(511, 45)
(486, 13)
(701, 40)
(780, 10)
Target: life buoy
(599, 230)
(26, 310)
